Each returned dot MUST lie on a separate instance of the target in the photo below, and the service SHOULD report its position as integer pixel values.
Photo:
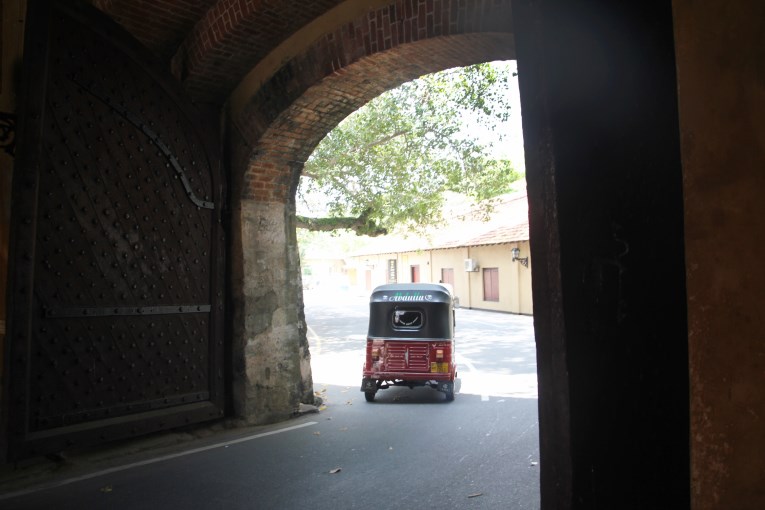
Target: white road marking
(151, 461)
(461, 360)
(475, 382)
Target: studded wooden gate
(117, 254)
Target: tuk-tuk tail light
(439, 354)
(376, 350)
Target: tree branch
(363, 226)
(385, 139)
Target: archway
(607, 226)
(272, 133)
(599, 101)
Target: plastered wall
(720, 48)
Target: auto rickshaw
(410, 341)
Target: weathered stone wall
(271, 359)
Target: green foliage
(391, 161)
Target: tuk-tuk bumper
(372, 381)
(409, 376)
(441, 382)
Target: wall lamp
(517, 256)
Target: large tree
(390, 164)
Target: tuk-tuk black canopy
(416, 311)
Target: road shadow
(404, 395)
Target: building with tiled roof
(486, 260)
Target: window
(491, 284)
(447, 276)
(392, 272)
(408, 318)
(415, 274)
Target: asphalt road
(408, 449)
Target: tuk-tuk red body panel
(397, 359)
(410, 341)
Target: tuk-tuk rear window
(408, 318)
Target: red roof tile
(508, 222)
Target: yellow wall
(514, 278)
(377, 265)
(421, 259)
(454, 259)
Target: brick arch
(234, 34)
(285, 145)
(274, 128)
(290, 113)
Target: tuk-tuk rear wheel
(369, 396)
(449, 391)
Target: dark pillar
(598, 93)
